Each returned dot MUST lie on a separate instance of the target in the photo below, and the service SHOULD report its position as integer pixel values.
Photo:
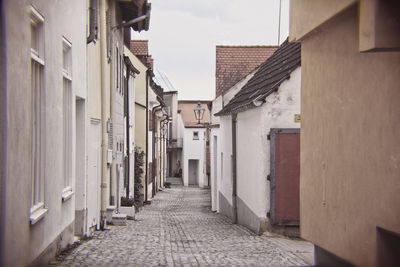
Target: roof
(186, 108)
(132, 9)
(234, 63)
(162, 79)
(140, 47)
(267, 78)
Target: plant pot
(129, 211)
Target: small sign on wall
(297, 118)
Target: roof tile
(233, 63)
(267, 79)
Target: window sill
(37, 215)
(67, 194)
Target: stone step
(119, 219)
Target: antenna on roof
(279, 26)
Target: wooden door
(285, 177)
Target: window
(67, 119)
(117, 67)
(37, 210)
(195, 135)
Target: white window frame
(38, 209)
(67, 191)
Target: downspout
(147, 136)
(3, 133)
(93, 27)
(127, 165)
(104, 117)
(234, 184)
(162, 148)
(153, 145)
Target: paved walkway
(178, 229)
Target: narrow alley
(179, 229)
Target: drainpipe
(104, 117)
(162, 149)
(147, 135)
(3, 132)
(153, 145)
(234, 184)
(93, 27)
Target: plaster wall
(223, 151)
(63, 18)
(253, 146)
(322, 11)
(349, 142)
(224, 161)
(214, 159)
(193, 150)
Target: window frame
(67, 105)
(37, 64)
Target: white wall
(25, 242)
(253, 147)
(193, 149)
(223, 153)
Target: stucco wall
(322, 11)
(253, 146)
(350, 154)
(223, 152)
(64, 18)
(224, 180)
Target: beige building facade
(349, 129)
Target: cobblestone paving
(178, 229)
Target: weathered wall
(253, 147)
(63, 18)
(350, 154)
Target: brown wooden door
(285, 177)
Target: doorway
(193, 172)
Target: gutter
(234, 175)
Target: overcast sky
(183, 35)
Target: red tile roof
(140, 47)
(269, 76)
(234, 63)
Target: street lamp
(198, 112)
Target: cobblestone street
(179, 229)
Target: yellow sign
(296, 117)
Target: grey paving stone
(179, 229)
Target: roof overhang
(136, 11)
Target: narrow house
(350, 147)
(192, 130)
(265, 144)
